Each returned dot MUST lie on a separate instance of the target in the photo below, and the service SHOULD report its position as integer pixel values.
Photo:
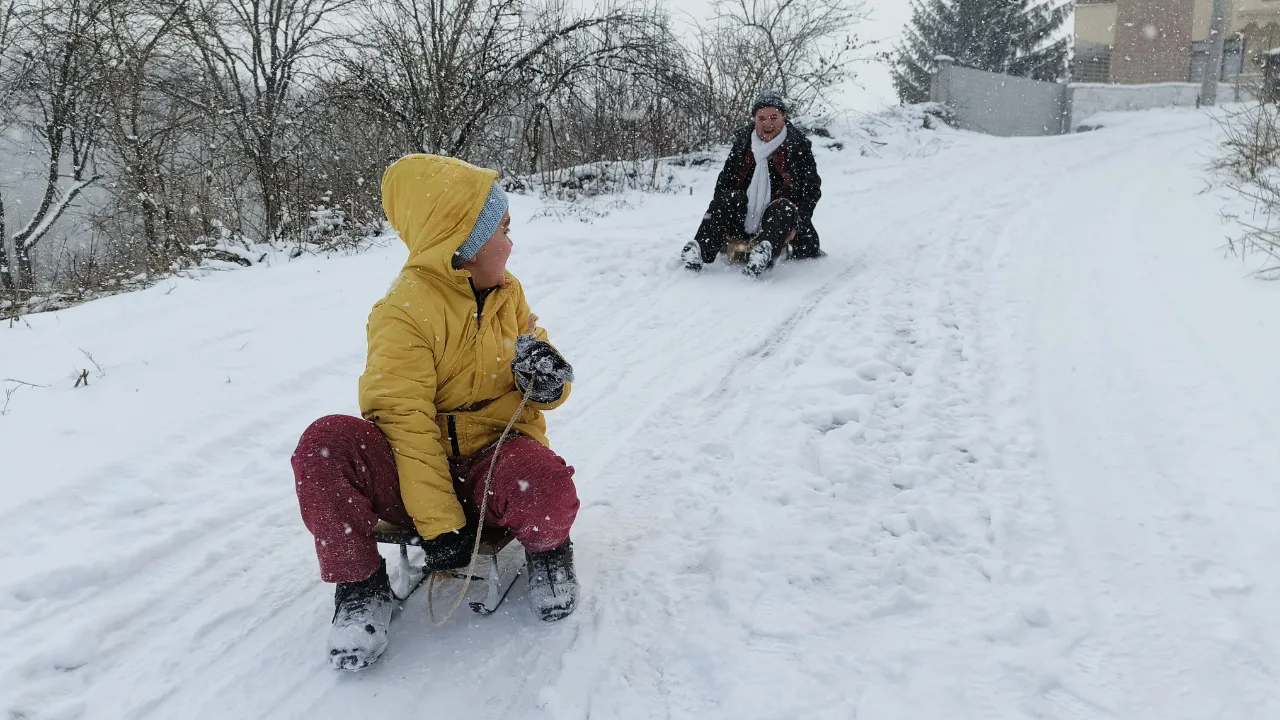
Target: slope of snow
(1009, 452)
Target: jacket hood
(433, 203)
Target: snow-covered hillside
(1011, 451)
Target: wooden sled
(737, 251)
(501, 560)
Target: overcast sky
(873, 88)
(888, 17)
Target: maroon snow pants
(345, 474)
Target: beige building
(1151, 41)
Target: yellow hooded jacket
(438, 380)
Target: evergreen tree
(1012, 37)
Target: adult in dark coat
(794, 189)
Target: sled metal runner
(501, 561)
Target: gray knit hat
(769, 98)
(486, 225)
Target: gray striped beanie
(486, 225)
(769, 98)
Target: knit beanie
(769, 98)
(495, 206)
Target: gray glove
(539, 364)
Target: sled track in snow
(761, 486)
(783, 331)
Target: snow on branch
(39, 224)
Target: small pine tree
(1012, 37)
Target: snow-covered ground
(1011, 451)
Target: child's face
(489, 267)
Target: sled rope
(484, 509)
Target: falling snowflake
(324, 452)
(524, 486)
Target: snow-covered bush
(599, 178)
(1249, 164)
(331, 229)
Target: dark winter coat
(793, 174)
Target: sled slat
(492, 540)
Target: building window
(1232, 58)
(1091, 63)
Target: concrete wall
(1153, 41)
(1200, 23)
(1012, 106)
(1239, 14)
(1096, 23)
(1089, 100)
(1246, 12)
(1001, 104)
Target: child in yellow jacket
(453, 354)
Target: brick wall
(1153, 41)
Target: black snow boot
(806, 252)
(691, 256)
(361, 617)
(553, 584)
(780, 223)
(760, 260)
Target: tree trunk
(154, 245)
(26, 279)
(6, 278)
(147, 205)
(272, 197)
(271, 205)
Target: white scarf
(760, 191)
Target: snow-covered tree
(7, 13)
(59, 55)
(1013, 37)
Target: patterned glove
(538, 363)
(449, 551)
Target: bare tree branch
(253, 53)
